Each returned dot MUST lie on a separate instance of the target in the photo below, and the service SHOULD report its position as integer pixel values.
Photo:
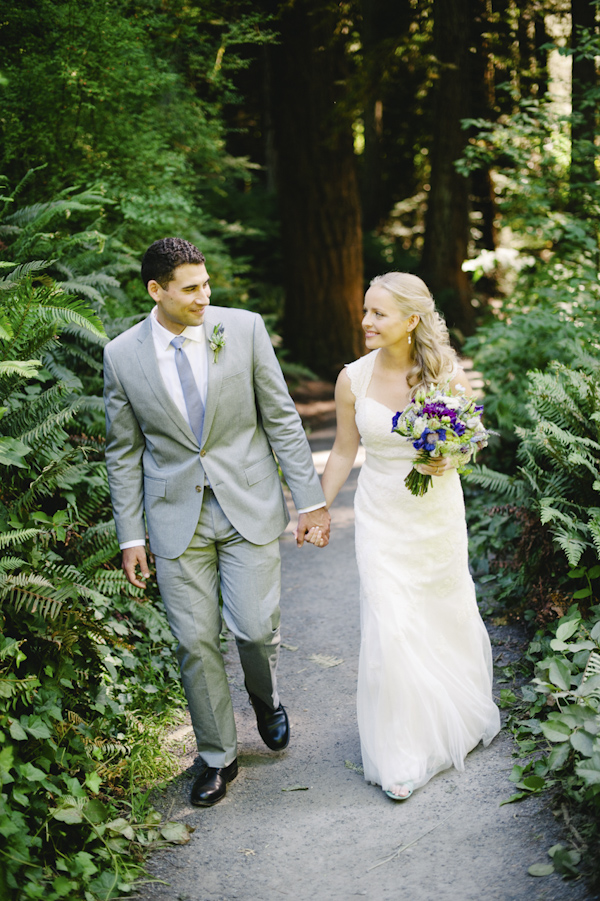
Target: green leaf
(541, 869)
(177, 833)
(7, 759)
(565, 861)
(32, 773)
(96, 811)
(518, 797)
(583, 742)
(589, 771)
(595, 633)
(559, 755)
(560, 674)
(517, 773)
(534, 783)
(93, 782)
(36, 727)
(582, 593)
(589, 687)
(70, 815)
(554, 730)
(63, 886)
(12, 452)
(557, 645)
(17, 732)
(84, 864)
(565, 630)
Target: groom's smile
(184, 299)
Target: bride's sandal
(409, 786)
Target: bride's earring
(409, 339)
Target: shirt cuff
(138, 542)
(310, 509)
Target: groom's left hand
(315, 519)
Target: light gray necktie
(191, 395)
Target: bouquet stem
(418, 483)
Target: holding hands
(313, 527)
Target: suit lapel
(147, 357)
(215, 371)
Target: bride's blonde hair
(433, 356)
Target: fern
(25, 369)
(496, 482)
(18, 537)
(560, 458)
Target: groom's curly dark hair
(164, 256)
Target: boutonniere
(217, 340)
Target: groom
(196, 408)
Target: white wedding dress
(425, 668)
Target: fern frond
(497, 482)
(573, 547)
(9, 539)
(20, 273)
(76, 312)
(75, 286)
(48, 428)
(26, 369)
(11, 563)
(594, 528)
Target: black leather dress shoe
(273, 725)
(211, 784)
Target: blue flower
(395, 419)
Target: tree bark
(318, 189)
(447, 224)
(584, 106)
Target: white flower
(418, 426)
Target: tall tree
(318, 185)
(447, 226)
(584, 100)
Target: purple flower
(395, 419)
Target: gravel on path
(303, 824)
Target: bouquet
(440, 424)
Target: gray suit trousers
(250, 579)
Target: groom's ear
(153, 289)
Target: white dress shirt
(196, 350)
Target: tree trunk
(447, 223)
(584, 106)
(318, 189)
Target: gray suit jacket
(155, 464)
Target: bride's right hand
(314, 536)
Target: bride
(425, 666)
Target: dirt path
(305, 825)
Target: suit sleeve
(282, 423)
(124, 449)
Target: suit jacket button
(203, 453)
(198, 488)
